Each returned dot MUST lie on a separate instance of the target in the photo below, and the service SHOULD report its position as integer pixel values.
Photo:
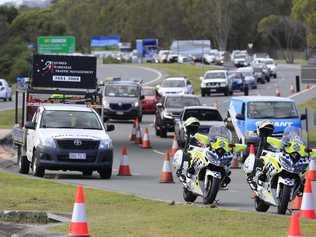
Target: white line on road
(158, 152)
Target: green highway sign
(56, 44)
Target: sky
(18, 2)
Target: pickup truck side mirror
(303, 117)
(110, 127)
(30, 125)
(142, 97)
(240, 117)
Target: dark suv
(122, 100)
(170, 108)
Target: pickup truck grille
(213, 84)
(78, 144)
(120, 106)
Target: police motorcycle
(276, 173)
(207, 166)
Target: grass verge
(191, 71)
(311, 104)
(111, 214)
(299, 61)
(7, 118)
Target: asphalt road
(146, 164)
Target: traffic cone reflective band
(307, 208)
(297, 202)
(166, 173)
(175, 146)
(312, 170)
(138, 139)
(292, 88)
(79, 226)
(145, 143)
(132, 136)
(294, 227)
(124, 169)
(277, 91)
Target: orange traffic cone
(297, 202)
(145, 143)
(124, 169)
(138, 139)
(307, 208)
(294, 227)
(292, 88)
(132, 136)
(166, 173)
(78, 225)
(277, 92)
(312, 170)
(175, 146)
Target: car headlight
(106, 144)
(167, 115)
(47, 142)
(106, 104)
(223, 84)
(251, 134)
(136, 104)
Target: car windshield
(215, 75)
(236, 75)
(268, 62)
(222, 132)
(240, 56)
(181, 102)
(271, 109)
(173, 83)
(149, 92)
(70, 119)
(203, 114)
(121, 91)
(257, 69)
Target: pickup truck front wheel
(24, 164)
(105, 172)
(36, 169)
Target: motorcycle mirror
(308, 150)
(231, 145)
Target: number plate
(213, 90)
(77, 156)
(120, 113)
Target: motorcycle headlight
(47, 142)
(105, 144)
(286, 163)
(213, 158)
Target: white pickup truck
(66, 137)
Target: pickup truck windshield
(271, 109)
(203, 115)
(70, 119)
(180, 102)
(121, 91)
(173, 83)
(215, 75)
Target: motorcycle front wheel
(285, 195)
(211, 190)
(188, 196)
(261, 205)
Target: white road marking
(158, 152)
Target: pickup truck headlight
(106, 104)
(47, 142)
(166, 115)
(105, 144)
(223, 84)
(251, 134)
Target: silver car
(5, 90)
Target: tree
(305, 11)
(284, 32)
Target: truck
(147, 49)
(59, 127)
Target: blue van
(246, 112)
